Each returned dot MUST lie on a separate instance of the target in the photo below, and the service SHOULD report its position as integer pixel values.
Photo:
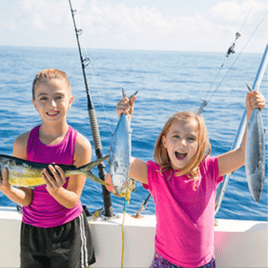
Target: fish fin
(91, 165)
(124, 94)
(92, 177)
(249, 87)
(134, 94)
(86, 170)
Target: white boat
(238, 243)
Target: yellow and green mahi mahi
(29, 174)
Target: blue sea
(167, 82)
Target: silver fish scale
(255, 155)
(120, 154)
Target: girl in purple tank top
(54, 227)
(183, 180)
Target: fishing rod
(93, 122)
(143, 206)
(241, 129)
(229, 52)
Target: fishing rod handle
(95, 130)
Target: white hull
(237, 243)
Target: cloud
(44, 14)
(109, 25)
(143, 27)
(229, 15)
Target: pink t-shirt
(44, 211)
(185, 218)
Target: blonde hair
(47, 75)
(204, 148)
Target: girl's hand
(5, 186)
(255, 100)
(110, 187)
(126, 106)
(56, 181)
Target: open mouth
(180, 156)
(54, 113)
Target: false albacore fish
(29, 174)
(120, 153)
(255, 154)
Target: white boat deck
(237, 243)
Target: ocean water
(167, 82)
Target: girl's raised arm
(138, 170)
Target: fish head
(255, 183)
(256, 193)
(119, 182)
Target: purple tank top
(45, 211)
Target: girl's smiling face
(52, 100)
(181, 142)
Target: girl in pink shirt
(183, 180)
(54, 230)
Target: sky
(180, 25)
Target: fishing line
(229, 52)
(127, 199)
(247, 16)
(205, 102)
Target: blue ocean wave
(167, 82)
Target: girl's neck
(52, 134)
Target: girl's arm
(20, 195)
(138, 171)
(70, 196)
(235, 159)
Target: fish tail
(86, 170)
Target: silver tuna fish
(120, 153)
(255, 154)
